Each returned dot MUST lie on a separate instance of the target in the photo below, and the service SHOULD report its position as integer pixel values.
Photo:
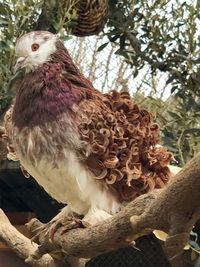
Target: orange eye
(35, 47)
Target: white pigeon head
(34, 49)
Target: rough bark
(111, 234)
(174, 209)
(88, 242)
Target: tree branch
(23, 246)
(89, 242)
(174, 210)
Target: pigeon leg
(65, 219)
(67, 223)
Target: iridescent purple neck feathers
(49, 91)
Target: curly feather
(122, 145)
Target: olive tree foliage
(158, 41)
(164, 35)
(18, 17)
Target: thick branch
(86, 243)
(174, 210)
(109, 235)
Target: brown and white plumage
(92, 151)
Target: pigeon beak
(19, 64)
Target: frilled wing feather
(7, 134)
(7, 138)
(121, 145)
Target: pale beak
(19, 64)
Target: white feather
(47, 46)
(72, 184)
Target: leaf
(4, 9)
(174, 115)
(114, 38)
(102, 46)
(170, 79)
(122, 41)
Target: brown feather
(121, 144)
(112, 137)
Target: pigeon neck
(73, 74)
(51, 90)
(43, 96)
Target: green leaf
(102, 47)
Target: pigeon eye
(35, 47)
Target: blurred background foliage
(149, 48)
(164, 35)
